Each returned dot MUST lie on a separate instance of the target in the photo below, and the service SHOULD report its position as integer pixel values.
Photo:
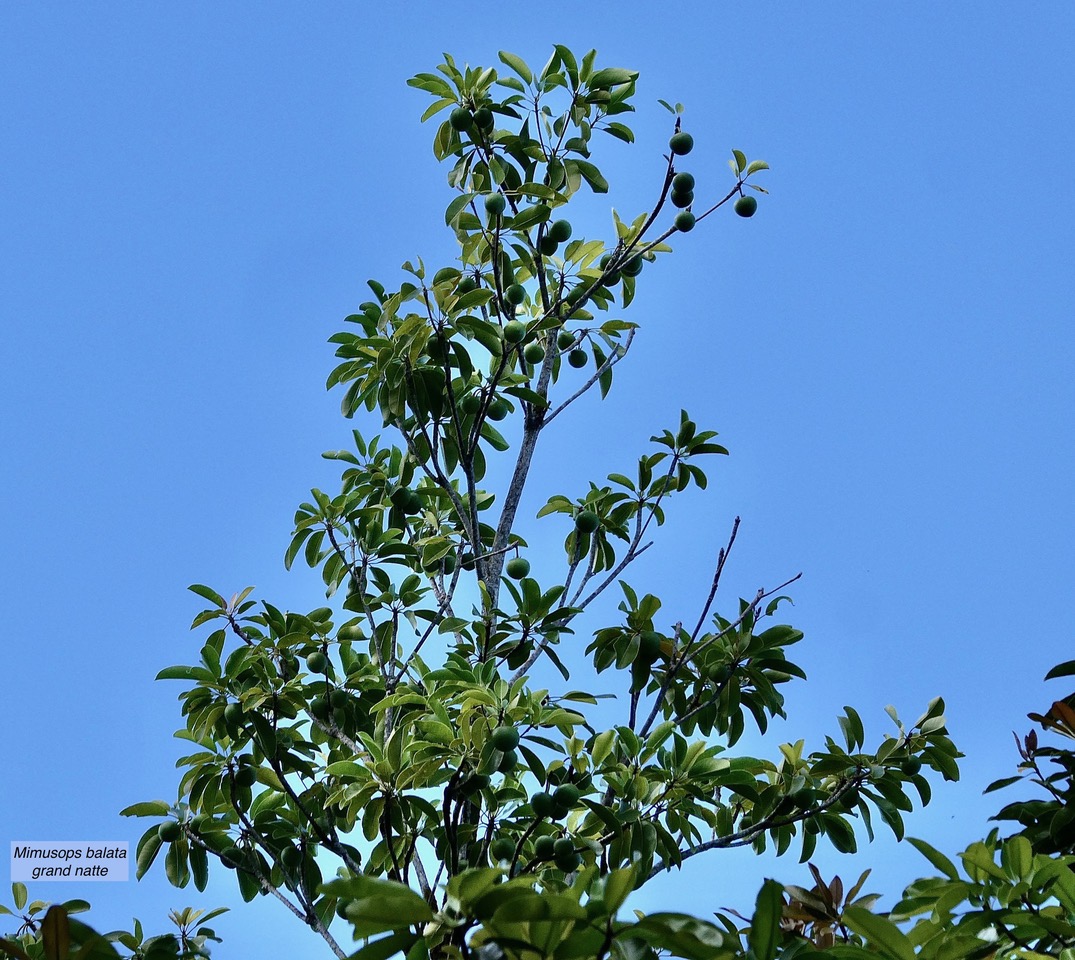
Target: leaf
(386, 947)
(740, 161)
(517, 64)
(592, 176)
(934, 856)
(55, 933)
(764, 935)
(377, 906)
(148, 808)
(1066, 669)
(612, 77)
(755, 165)
(880, 932)
(208, 593)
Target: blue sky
(193, 196)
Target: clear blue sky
(192, 196)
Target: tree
(406, 738)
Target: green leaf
(377, 906)
(208, 593)
(934, 856)
(755, 165)
(591, 175)
(612, 77)
(880, 932)
(148, 808)
(386, 947)
(55, 934)
(529, 216)
(764, 936)
(1066, 669)
(740, 160)
(517, 64)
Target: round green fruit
(502, 849)
(291, 857)
(514, 331)
(746, 206)
(498, 409)
(448, 563)
(233, 715)
(231, 858)
(350, 631)
(517, 568)
(911, 766)
(169, 831)
(587, 521)
(467, 561)
(563, 847)
(495, 204)
(460, 119)
(534, 353)
(515, 294)
(483, 117)
(681, 200)
(470, 404)
(339, 699)
(560, 231)
(412, 503)
(478, 781)
(649, 646)
(508, 761)
(577, 358)
(317, 662)
(543, 805)
(569, 863)
(633, 267)
(466, 284)
(682, 182)
(505, 738)
(565, 339)
(566, 796)
(543, 848)
(319, 708)
(685, 221)
(681, 144)
(245, 777)
(547, 245)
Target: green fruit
(448, 563)
(483, 117)
(290, 857)
(502, 849)
(505, 738)
(682, 199)
(577, 358)
(587, 521)
(911, 766)
(467, 561)
(534, 353)
(569, 863)
(233, 715)
(508, 761)
(477, 781)
(719, 672)
(543, 848)
(515, 294)
(685, 221)
(565, 339)
(466, 284)
(339, 699)
(319, 708)
(803, 798)
(231, 858)
(563, 847)
(412, 503)
(681, 144)
(317, 662)
(543, 805)
(470, 404)
(498, 409)
(350, 631)
(633, 267)
(547, 245)
(517, 567)
(460, 119)
(560, 231)
(495, 204)
(514, 331)
(169, 831)
(566, 796)
(649, 646)
(746, 206)
(682, 182)
(245, 777)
